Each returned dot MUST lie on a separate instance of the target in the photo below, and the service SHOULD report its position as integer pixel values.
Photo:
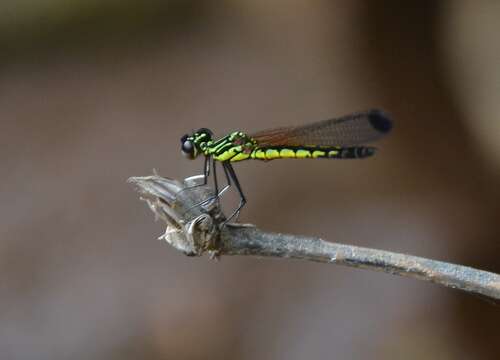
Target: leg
(206, 173)
(228, 180)
(231, 175)
(206, 169)
(216, 186)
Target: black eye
(188, 149)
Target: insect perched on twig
(337, 138)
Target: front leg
(217, 193)
(205, 175)
(206, 171)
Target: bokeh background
(92, 92)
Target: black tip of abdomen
(356, 152)
(367, 151)
(380, 121)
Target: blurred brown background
(92, 92)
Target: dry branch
(196, 230)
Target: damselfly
(337, 138)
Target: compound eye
(188, 149)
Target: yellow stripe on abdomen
(293, 153)
(287, 154)
(302, 154)
(272, 154)
(258, 154)
(318, 154)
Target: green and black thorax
(232, 147)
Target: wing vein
(353, 129)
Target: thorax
(234, 146)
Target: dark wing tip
(380, 121)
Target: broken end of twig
(190, 210)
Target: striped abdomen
(312, 152)
(239, 153)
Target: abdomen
(311, 152)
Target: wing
(353, 129)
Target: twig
(196, 230)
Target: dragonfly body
(238, 146)
(338, 138)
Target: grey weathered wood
(196, 231)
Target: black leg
(228, 180)
(231, 175)
(206, 173)
(216, 184)
(231, 178)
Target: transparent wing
(353, 129)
